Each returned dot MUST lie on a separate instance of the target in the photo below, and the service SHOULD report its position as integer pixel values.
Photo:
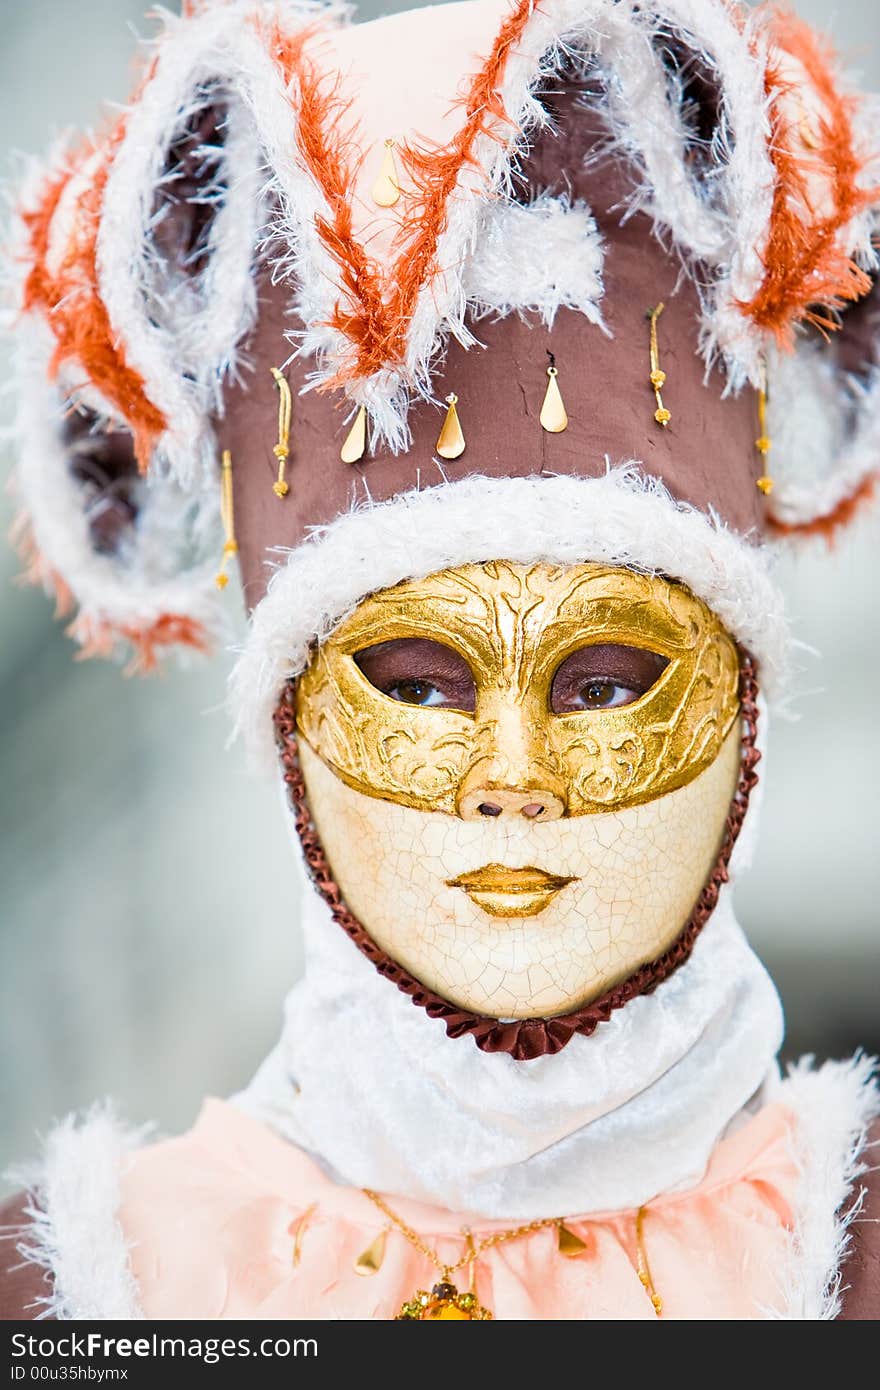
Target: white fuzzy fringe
(167, 563)
(824, 429)
(834, 1105)
(74, 1232)
(505, 275)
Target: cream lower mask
(521, 775)
(624, 883)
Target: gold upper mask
(514, 625)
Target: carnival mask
(521, 775)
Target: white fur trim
(74, 1232)
(824, 430)
(167, 567)
(180, 332)
(748, 182)
(834, 1106)
(649, 129)
(505, 273)
(620, 518)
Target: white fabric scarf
(375, 1090)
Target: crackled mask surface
(515, 819)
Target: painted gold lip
(505, 892)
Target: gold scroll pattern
(515, 624)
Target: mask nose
(536, 804)
(513, 777)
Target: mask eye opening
(601, 676)
(419, 672)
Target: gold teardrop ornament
(444, 1303)
(355, 444)
(369, 1261)
(450, 444)
(553, 417)
(568, 1244)
(386, 189)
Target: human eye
(604, 676)
(419, 671)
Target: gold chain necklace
(445, 1302)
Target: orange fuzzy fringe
(833, 522)
(328, 151)
(807, 276)
(435, 171)
(101, 639)
(73, 306)
(377, 306)
(97, 638)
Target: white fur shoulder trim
(74, 1232)
(834, 1105)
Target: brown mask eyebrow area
(419, 671)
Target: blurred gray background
(147, 915)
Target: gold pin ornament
(298, 1229)
(553, 417)
(450, 442)
(282, 449)
(386, 189)
(230, 546)
(355, 443)
(657, 377)
(762, 443)
(646, 1279)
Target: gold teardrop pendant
(355, 444)
(553, 417)
(369, 1261)
(568, 1244)
(386, 189)
(450, 443)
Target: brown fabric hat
(705, 456)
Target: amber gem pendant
(443, 1304)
